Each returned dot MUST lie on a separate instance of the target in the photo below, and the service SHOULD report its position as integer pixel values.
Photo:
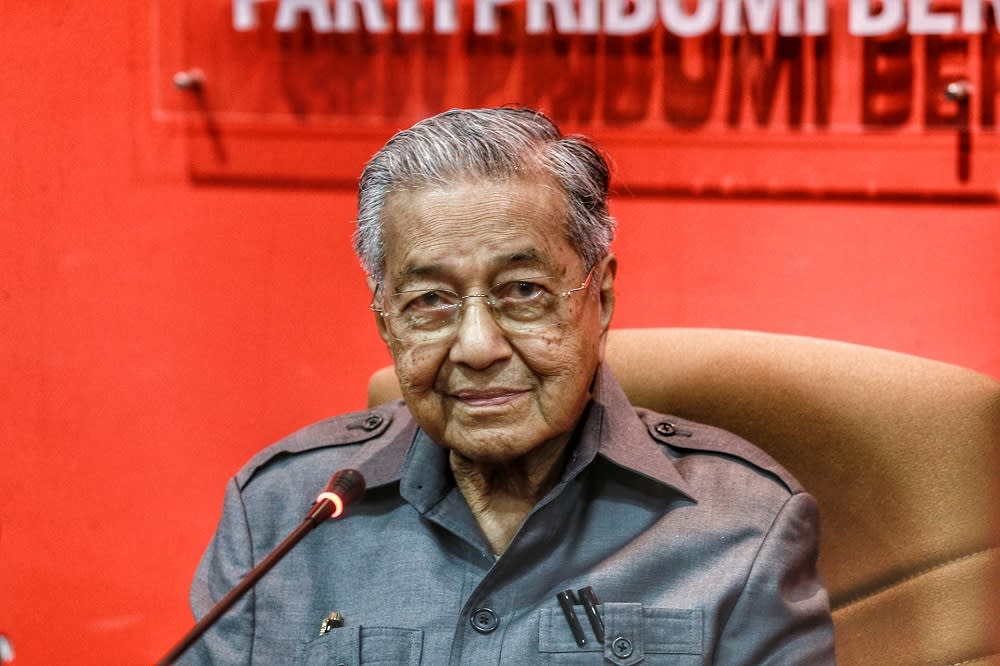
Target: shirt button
(484, 620)
(666, 428)
(372, 422)
(622, 647)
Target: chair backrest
(902, 453)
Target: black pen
(567, 600)
(589, 600)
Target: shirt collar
(615, 432)
(426, 476)
(410, 458)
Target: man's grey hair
(500, 144)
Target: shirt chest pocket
(633, 634)
(363, 646)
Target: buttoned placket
(492, 607)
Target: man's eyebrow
(419, 270)
(525, 257)
(530, 256)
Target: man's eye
(521, 290)
(427, 301)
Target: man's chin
(483, 448)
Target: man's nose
(479, 341)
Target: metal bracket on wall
(960, 92)
(193, 81)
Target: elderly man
(519, 509)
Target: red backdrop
(155, 332)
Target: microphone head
(346, 486)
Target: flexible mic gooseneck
(345, 487)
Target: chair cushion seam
(975, 660)
(916, 574)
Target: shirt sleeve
(783, 613)
(226, 561)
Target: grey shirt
(700, 547)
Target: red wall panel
(155, 332)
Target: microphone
(345, 487)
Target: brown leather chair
(902, 453)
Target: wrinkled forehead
(492, 222)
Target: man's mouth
(487, 398)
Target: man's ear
(608, 272)
(607, 296)
(383, 332)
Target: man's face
(487, 394)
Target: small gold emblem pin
(334, 619)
